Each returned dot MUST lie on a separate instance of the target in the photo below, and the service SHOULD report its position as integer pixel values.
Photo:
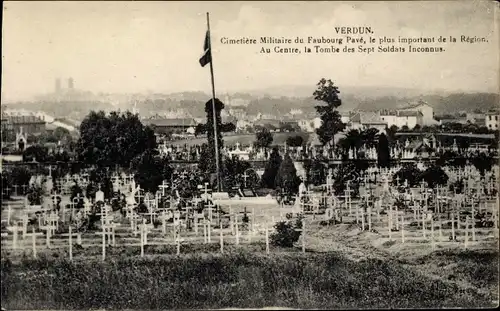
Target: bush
(286, 234)
(35, 196)
(434, 176)
(408, 172)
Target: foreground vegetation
(239, 279)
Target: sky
(155, 46)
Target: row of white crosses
(123, 183)
(65, 183)
(108, 234)
(428, 226)
(50, 226)
(17, 189)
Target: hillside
(279, 100)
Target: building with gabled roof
(164, 125)
(363, 120)
(426, 110)
(400, 118)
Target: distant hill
(279, 100)
(450, 103)
(360, 92)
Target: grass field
(243, 279)
(248, 139)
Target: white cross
(422, 184)
(163, 186)
(139, 195)
(245, 176)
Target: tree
(203, 164)
(287, 178)
(271, 170)
(408, 172)
(61, 156)
(112, 140)
(151, 170)
(295, 141)
(208, 128)
(61, 134)
(331, 122)
(391, 132)
(352, 139)
(483, 163)
(434, 176)
(383, 153)
(233, 169)
(264, 138)
(343, 173)
(19, 176)
(35, 153)
(317, 172)
(35, 196)
(98, 177)
(369, 137)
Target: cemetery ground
(342, 267)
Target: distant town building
(233, 101)
(366, 119)
(309, 125)
(452, 119)
(163, 126)
(267, 122)
(26, 124)
(345, 116)
(238, 112)
(476, 118)
(400, 118)
(70, 125)
(426, 110)
(242, 125)
(492, 120)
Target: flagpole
(213, 103)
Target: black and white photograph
(222, 155)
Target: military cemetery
(323, 201)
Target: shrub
(35, 196)
(286, 234)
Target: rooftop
(367, 117)
(420, 103)
(23, 119)
(409, 113)
(183, 122)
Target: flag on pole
(207, 54)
